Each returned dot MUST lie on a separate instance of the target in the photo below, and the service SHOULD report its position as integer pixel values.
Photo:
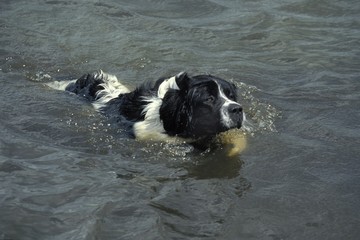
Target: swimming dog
(192, 108)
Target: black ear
(182, 80)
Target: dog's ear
(182, 80)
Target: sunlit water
(67, 172)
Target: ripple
(177, 9)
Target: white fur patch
(112, 89)
(151, 127)
(225, 118)
(166, 85)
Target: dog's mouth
(232, 116)
(236, 122)
(239, 124)
(234, 125)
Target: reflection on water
(215, 165)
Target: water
(66, 172)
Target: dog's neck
(166, 85)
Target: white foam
(60, 85)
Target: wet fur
(180, 107)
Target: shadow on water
(193, 163)
(215, 164)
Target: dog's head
(200, 106)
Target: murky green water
(66, 172)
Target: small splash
(176, 150)
(39, 77)
(59, 85)
(260, 116)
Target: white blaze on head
(225, 117)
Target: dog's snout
(235, 109)
(235, 115)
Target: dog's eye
(210, 99)
(229, 94)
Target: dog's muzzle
(236, 114)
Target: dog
(189, 108)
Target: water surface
(66, 172)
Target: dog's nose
(235, 109)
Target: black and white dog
(189, 108)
